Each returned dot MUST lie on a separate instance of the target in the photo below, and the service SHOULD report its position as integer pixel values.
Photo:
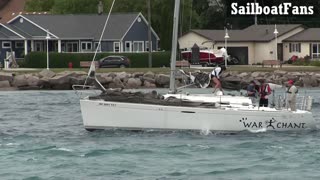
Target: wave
(262, 130)
(122, 172)
(36, 149)
(227, 171)
(64, 149)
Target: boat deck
(239, 103)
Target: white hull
(100, 114)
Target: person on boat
(215, 77)
(252, 91)
(292, 95)
(264, 92)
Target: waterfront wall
(48, 80)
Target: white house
(305, 43)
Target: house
(250, 45)
(305, 43)
(125, 32)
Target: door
(241, 53)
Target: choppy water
(42, 137)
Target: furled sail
(92, 70)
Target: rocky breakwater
(49, 80)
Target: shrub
(315, 62)
(61, 60)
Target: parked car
(114, 61)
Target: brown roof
(311, 34)
(12, 9)
(256, 33)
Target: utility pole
(149, 33)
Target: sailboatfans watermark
(281, 9)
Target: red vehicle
(206, 57)
(211, 58)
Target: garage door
(240, 53)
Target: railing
(302, 103)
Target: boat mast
(173, 88)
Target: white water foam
(262, 130)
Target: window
(128, 47)
(147, 46)
(116, 46)
(137, 46)
(38, 46)
(72, 47)
(63, 47)
(6, 44)
(19, 44)
(315, 50)
(96, 45)
(295, 47)
(86, 46)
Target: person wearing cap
(264, 92)
(215, 76)
(252, 91)
(292, 95)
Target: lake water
(42, 137)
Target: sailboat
(177, 111)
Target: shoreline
(49, 80)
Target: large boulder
(104, 78)
(25, 80)
(62, 78)
(279, 72)
(162, 80)
(244, 74)
(137, 74)
(5, 84)
(148, 79)
(309, 81)
(77, 80)
(133, 83)
(32, 80)
(20, 80)
(149, 74)
(59, 79)
(6, 76)
(117, 83)
(147, 84)
(255, 74)
(44, 83)
(108, 79)
(78, 73)
(46, 73)
(123, 75)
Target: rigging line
(99, 43)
